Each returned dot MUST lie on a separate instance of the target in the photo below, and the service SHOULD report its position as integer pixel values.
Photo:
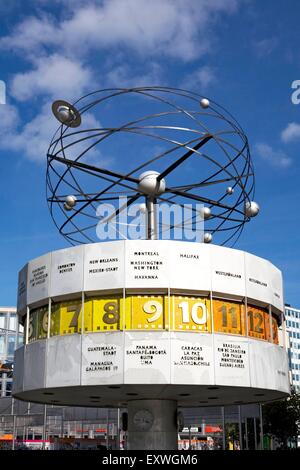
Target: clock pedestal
(152, 424)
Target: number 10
(199, 320)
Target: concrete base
(152, 425)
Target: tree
(281, 419)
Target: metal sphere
(148, 183)
(143, 208)
(229, 190)
(251, 209)
(204, 103)
(65, 114)
(207, 237)
(206, 213)
(71, 201)
(67, 207)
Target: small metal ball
(143, 208)
(204, 103)
(251, 209)
(206, 213)
(66, 114)
(207, 238)
(71, 201)
(67, 207)
(229, 190)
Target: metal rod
(44, 425)
(62, 422)
(118, 429)
(246, 434)
(107, 428)
(27, 325)
(261, 428)
(255, 434)
(184, 157)
(151, 218)
(240, 428)
(49, 317)
(85, 166)
(223, 425)
(14, 432)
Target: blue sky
(243, 54)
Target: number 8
(111, 315)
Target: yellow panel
(66, 317)
(267, 334)
(146, 312)
(229, 317)
(151, 312)
(127, 302)
(275, 330)
(55, 320)
(107, 313)
(42, 322)
(88, 315)
(190, 314)
(32, 328)
(258, 322)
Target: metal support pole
(14, 432)
(107, 428)
(49, 317)
(27, 325)
(62, 422)
(44, 425)
(151, 225)
(118, 429)
(246, 434)
(283, 331)
(255, 434)
(240, 428)
(261, 428)
(223, 424)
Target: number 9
(155, 307)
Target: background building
(293, 330)
(11, 336)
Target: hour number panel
(190, 314)
(229, 317)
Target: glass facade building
(11, 336)
(293, 329)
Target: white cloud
(123, 76)
(180, 28)
(9, 119)
(200, 79)
(33, 139)
(56, 76)
(291, 133)
(265, 47)
(276, 158)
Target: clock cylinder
(152, 424)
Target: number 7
(76, 309)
